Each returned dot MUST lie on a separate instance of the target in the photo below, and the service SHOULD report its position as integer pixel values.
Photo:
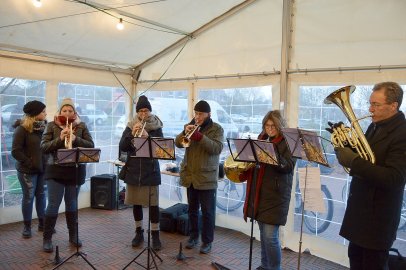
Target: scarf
(152, 123)
(39, 125)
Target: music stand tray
(75, 156)
(155, 148)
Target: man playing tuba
(376, 192)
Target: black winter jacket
(140, 171)
(27, 152)
(376, 193)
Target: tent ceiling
(83, 31)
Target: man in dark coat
(376, 192)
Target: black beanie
(143, 103)
(33, 108)
(202, 106)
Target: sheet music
(314, 198)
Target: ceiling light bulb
(37, 3)
(120, 25)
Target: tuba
(233, 168)
(342, 136)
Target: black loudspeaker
(103, 194)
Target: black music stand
(304, 144)
(76, 156)
(154, 148)
(252, 151)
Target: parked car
(94, 116)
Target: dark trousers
(367, 259)
(206, 200)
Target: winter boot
(156, 243)
(27, 229)
(139, 237)
(49, 224)
(40, 224)
(71, 223)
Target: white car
(120, 126)
(94, 116)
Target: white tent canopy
(196, 44)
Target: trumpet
(140, 131)
(185, 141)
(68, 138)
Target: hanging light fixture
(120, 25)
(37, 3)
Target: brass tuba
(233, 169)
(353, 136)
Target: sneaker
(205, 248)
(191, 243)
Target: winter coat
(273, 187)
(200, 164)
(376, 192)
(27, 152)
(51, 142)
(140, 171)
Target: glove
(345, 156)
(333, 126)
(196, 136)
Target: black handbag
(396, 262)
(123, 156)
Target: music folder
(249, 150)
(154, 147)
(78, 155)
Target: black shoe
(47, 245)
(191, 243)
(156, 243)
(259, 268)
(205, 248)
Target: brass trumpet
(185, 141)
(140, 131)
(69, 124)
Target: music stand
(154, 148)
(252, 151)
(304, 144)
(76, 156)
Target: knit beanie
(202, 106)
(67, 102)
(143, 103)
(33, 108)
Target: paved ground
(107, 236)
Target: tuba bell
(342, 136)
(233, 169)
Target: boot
(49, 224)
(139, 237)
(156, 243)
(71, 223)
(27, 229)
(40, 224)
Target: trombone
(185, 141)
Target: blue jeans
(206, 199)
(56, 191)
(32, 186)
(271, 255)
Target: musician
(199, 173)
(30, 162)
(143, 174)
(60, 178)
(271, 195)
(376, 192)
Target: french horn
(233, 169)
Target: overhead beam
(197, 32)
(55, 60)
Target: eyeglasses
(270, 126)
(377, 105)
